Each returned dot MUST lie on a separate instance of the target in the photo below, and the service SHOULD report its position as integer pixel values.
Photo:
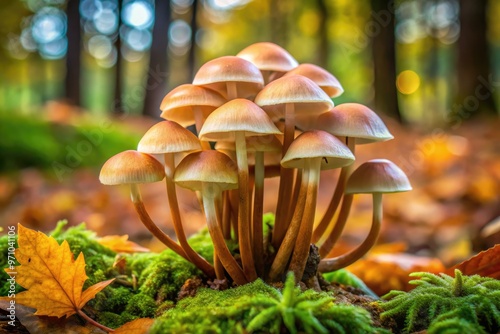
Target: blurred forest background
(77, 77)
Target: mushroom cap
(179, 105)
(317, 144)
(131, 167)
(215, 73)
(324, 79)
(377, 176)
(210, 167)
(168, 137)
(268, 57)
(356, 121)
(264, 143)
(307, 97)
(237, 115)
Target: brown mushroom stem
(233, 200)
(226, 216)
(302, 245)
(232, 90)
(342, 261)
(345, 209)
(258, 211)
(244, 229)
(296, 189)
(198, 123)
(286, 181)
(150, 225)
(286, 248)
(219, 268)
(220, 247)
(195, 258)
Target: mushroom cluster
(260, 114)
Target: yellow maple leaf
(121, 244)
(53, 279)
(137, 326)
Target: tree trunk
(156, 86)
(192, 50)
(72, 79)
(474, 67)
(118, 100)
(384, 58)
(324, 41)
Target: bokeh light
(408, 82)
(138, 14)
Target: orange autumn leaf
(121, 244)
(137, 326)
(486, 264)
(53, 279)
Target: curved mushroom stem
(150, 225)
(286, 181)
(302, 246)
(286, 248)
(342, 261)
(220, 247)
(334, 236)
(334, 203)
(244, 230)
(258, 211)
(226, 216)
(195, 258)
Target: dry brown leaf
(486, 263)
(121, 244)
(137, 326)
(53, 279)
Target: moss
(141, 305)
(439, 299)
(5, 244)
(345, 277)
(260, 308)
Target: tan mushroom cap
(215, 73)
(356, 121)
(307, 97)
(131, 167)
(207, 167)
(317, 144)
(237, 115)
(168, 137)
(268, 57)
(324, 79)
(179, 104)
(377, 176)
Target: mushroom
(324, 79)
(269, 59)
(359, 125)
(230, 76)
(132, 167)
(285, 98)
(189, 104)
(212, 172)
(168, 138)
(234, 121)
(312, 151)
(376, 177)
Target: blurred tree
(474, 67)
(324, 45)
(73, 55)
(384, 57)
(156, 85)
(279, 12)
(192, 50)
(118, 101)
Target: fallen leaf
(53, 279)
(486, 264)
(137, 326)
(121, 244)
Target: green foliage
(345, 277)
(32, 142)
(442, 303)
(260, 308)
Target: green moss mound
(444, 304)
(260, 308)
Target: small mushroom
(212, 172)
(230, 76)
(312, 151)
(168, 138)
(132, 167)
(324, 79)
(376, 177)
